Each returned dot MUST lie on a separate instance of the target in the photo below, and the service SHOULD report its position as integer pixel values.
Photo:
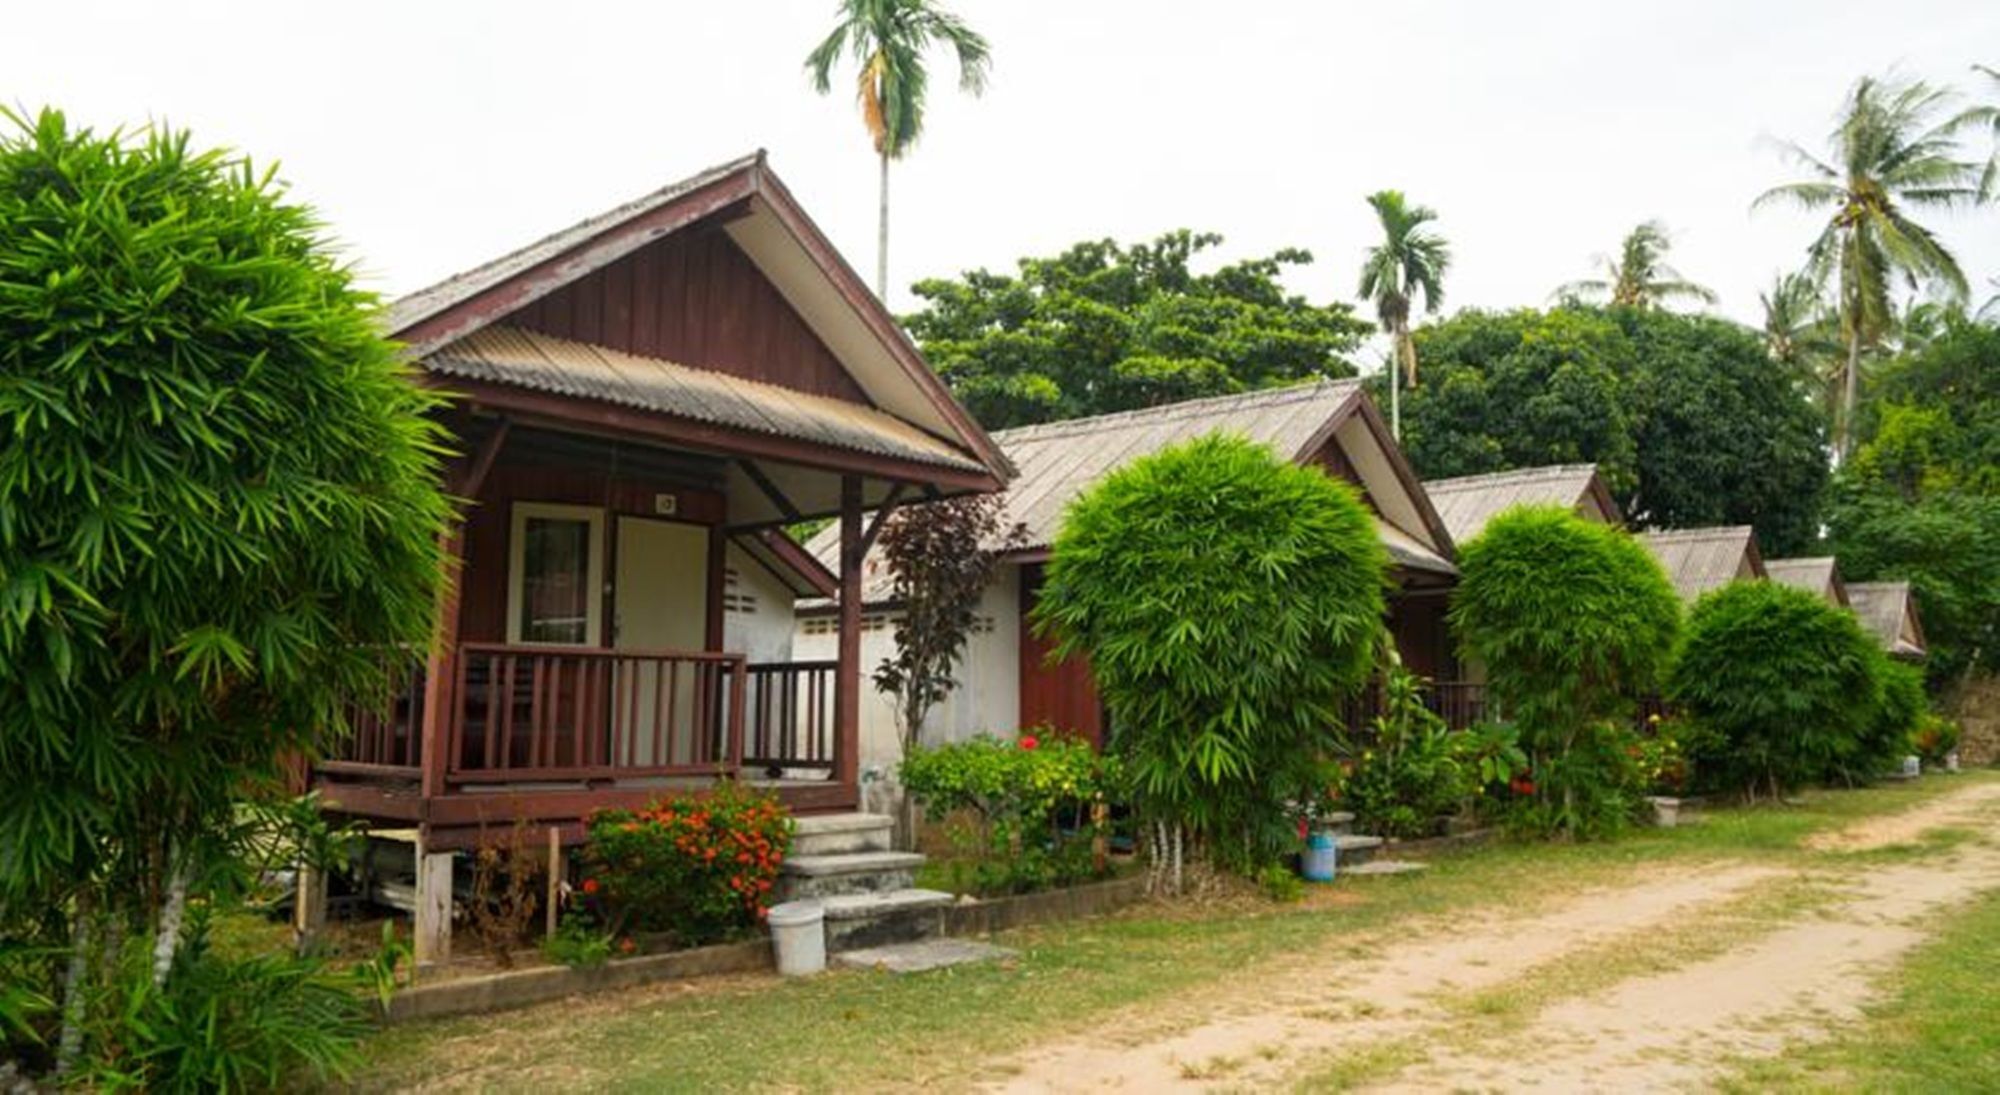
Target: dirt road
(1662, 984)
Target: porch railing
(790, 716)
(531, 712)
(386, 739)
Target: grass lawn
(851, 1030)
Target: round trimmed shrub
(1227, 601)
(1787, 686)
(1892, 733)
(1573, 621)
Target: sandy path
(1667, 1031)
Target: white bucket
(798, 935)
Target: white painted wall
(988, 696)
(757, 616)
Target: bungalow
(1006, 678)
(642, 400)
(1467, 502)
(1818, 575)
(1888, 610)
(1700, 559)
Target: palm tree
(1409, 259)
(888, 39)
(1802, 334)
(1890, 153)
(1640, 277)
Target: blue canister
(1318, 863)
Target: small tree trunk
(1177, 831)
(1396, 397)
(69, 1045)
(171, 915)
(1850, 397)
(882, 235)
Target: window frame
(517, 553)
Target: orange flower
(590, 886)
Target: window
(556, 575)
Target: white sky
(434, 135)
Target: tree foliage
(219, 517)
(1573, 621)
(1786, 685)
(941, 557)
(1411, 259)
(1920, 498)
(1686, 417)
(1108, 327)
(1640, 277)
(1228, 602)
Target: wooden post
(555, 879)
(309, 907)
(847, 670)
(433, 919)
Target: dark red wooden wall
(696, 299)
(1063, 695)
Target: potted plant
(1661, 756)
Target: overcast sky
(435, 135)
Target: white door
(659, 602)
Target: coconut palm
(1640, 277)
(1803, 335)
(887, 40)
(1410, 259)
(1894, 149)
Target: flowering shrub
(1020, 814)
(1934, 738)
(1662, 755)
(698, 867)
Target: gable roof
(1818, 575)
(1889, 611)
(1467, 502)
(1700, 559)
(748, 201)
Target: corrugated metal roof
(1056, 461)
(1467, 502)
(1817, 575)
(1700, 559)
(528, 359)
(416, 307)
(1887, 610)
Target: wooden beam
(847, 670)
(770, 490)
(468, 484)
(882, 513)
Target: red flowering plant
(699, 867)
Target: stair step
(847, 873)
(928, 955)
(1340, 823)
(1353, 849)
(834, 834)
(857, 920)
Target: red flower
(1523, 786)
(1029, 741)
(590, 885)
(626, 946)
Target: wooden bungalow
(1700, 559)
(1465, 503)
(641, 401)
(1006, 679)
(1888, 610)
(1817, 575)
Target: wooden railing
(549, 713)
(1461, 704)
(790, 716)
(385, 739)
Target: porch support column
(847, 670)
(442, 666)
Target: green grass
(851, 1030)
(1936, 1028)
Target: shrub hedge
(699, 867)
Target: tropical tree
(1893, 150)
(1640, 277)
(1105, 327)
(887, 39)
(1802, 334)
(1410, 259)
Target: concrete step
(877, 919)
(1341, 823)
(1353, 849)
(847, 873)
(836, 834)
(929, 954)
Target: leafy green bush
(1572, 619)
(1890, 735)
(1021, 815)
(1935, 738)
(1787, 683)
(221, 1024)
(699, 867)
(1280, 884)
(219, 511)
(1227, 601)
(1410, 770)
(578, 944)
